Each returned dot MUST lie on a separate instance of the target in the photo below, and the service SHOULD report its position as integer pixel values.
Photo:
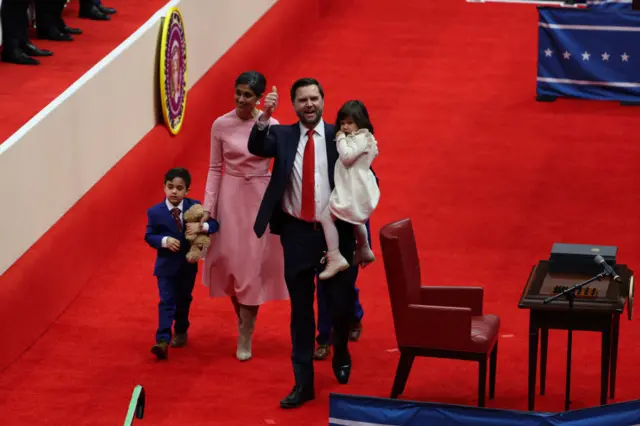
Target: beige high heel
(246, 326)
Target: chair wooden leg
(402, 373)
(544, 345)
(482, 381)
(493, 363)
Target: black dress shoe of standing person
(54, 34)
(298, 396)
(106, 10)
(342, 372)
(70, 30)
(93, 12)
(13, 54)
(341, 365)
(31, 50)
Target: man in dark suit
(16, 47)
(298, 192)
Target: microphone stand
(570, 294)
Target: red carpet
(490, 177)
(24, 91)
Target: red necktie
(308, 210)
(175, 212)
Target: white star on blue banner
(589, 53)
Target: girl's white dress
(356, 194)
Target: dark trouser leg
(340, 293)
(14, 21)
(301, 293)
(15, 24)
(324, 317)
(57, 7)
(166, 308)
(46, 14)
(358, 311)
(183, 291)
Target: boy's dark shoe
(322, 352)
(179, 340)
(160, 350)
(355, 332)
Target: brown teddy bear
(198, 241)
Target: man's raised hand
(270, 104)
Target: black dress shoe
(32, 50)
(69, 30)
(342, 371)
(94, 13)
(17, 56)
(298, 396)
(53, 34)
(107, 10)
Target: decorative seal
(173, 70)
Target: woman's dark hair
(256, 82)
(358, 113)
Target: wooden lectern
(596, 307)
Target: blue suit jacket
(280, 142)
(160, 224)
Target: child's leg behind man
(323, 339)
(335, 260)
(364, 254)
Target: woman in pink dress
(238, 264)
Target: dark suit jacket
(280, 142)
(160, 224)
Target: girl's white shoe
(364, 255)
(335, 263)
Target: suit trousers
(89, 3)
(175, 301)
(14, 21)
(304, 246)
(49, 14)
(324, 315)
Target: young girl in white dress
(355, 195)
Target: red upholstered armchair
(439, 322)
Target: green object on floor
(136, 406)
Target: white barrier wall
(65, 149)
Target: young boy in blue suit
(176, 276)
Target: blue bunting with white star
(610, 4)
(589, 54)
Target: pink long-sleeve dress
(238, 262)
